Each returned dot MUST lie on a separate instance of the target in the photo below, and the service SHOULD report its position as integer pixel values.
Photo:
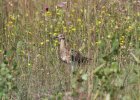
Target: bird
(73, 58)
(68, 55)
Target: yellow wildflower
(98, 42)
(98, 22)
(50, 33)
(65, 29)
(109, 36)
(138, 14)
(81, 10)
(73, 10)
(130, 28)
(42, 43)
(37, 13)
(54, 34)
(48, 13)
(26, 14)
(12, 17)
(73, 29)
(47, 40)
(79, 20)
(139, 38)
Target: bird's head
(60, 37)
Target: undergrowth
(105, 30)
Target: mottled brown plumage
(68, 55)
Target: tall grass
(105, 30)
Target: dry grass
(105, 30)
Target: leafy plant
(7, 74)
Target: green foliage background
(108, 31)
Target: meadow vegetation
(108, 31)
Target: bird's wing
(77, 57)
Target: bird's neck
(62, 44)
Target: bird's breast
(65, 56)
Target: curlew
(69, 55)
